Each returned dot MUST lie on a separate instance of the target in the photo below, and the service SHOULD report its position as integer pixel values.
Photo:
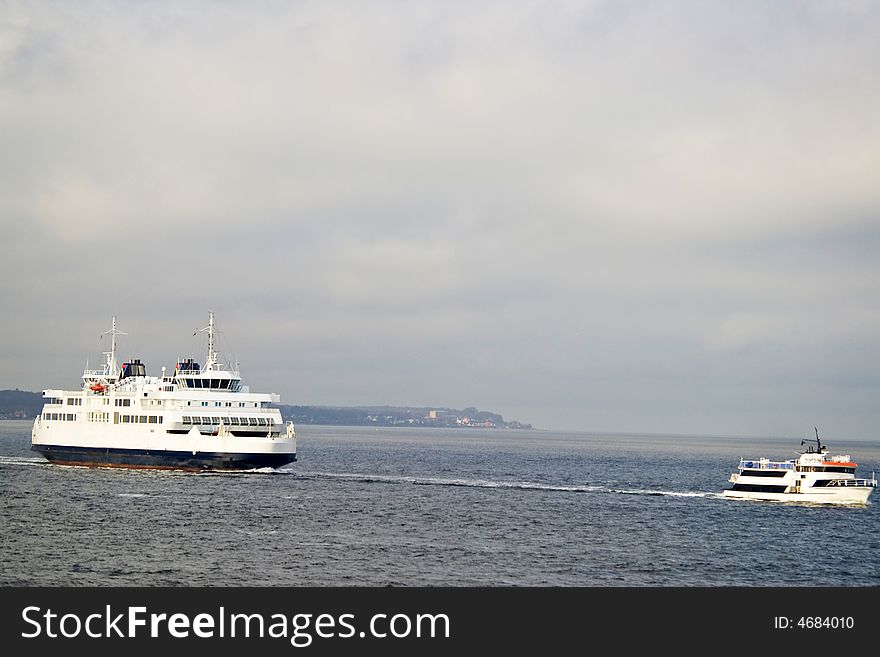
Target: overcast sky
(599, 216)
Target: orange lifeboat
(97, 387)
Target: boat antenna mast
(110, 366)
(819, 445)
(211, 359)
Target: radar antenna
(819, 445)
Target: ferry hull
(161, 459)
(847, 495)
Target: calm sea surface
(434, 507)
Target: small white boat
(815, 476)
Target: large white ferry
(198, 418)
(815, 476)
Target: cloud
(518, 202)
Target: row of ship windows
(807, 468)
(233, 421)
(229, 404)
(77, 401)
(825, 468)
(140, 419)
(63, 417)
(213, 384)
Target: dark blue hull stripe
(141, 458)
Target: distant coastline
(26, 405)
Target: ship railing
(98, 374)
(763, 464)
(860, 483)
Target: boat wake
(23, 460)
(485, 483)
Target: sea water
(460, 507)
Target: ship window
(760, 488)
(215, 420)
(204, 403)
(144, 419)
(153, 420)
(186, 419)
(71, 417)
(837, 468)
(218, 403)
(252, 421)
(262, 421)
(763, 473)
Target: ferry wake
(815, 477)
(198, 418)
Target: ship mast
(211, 360)
(110, 366)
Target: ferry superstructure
(815, 476)
(197, 418)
